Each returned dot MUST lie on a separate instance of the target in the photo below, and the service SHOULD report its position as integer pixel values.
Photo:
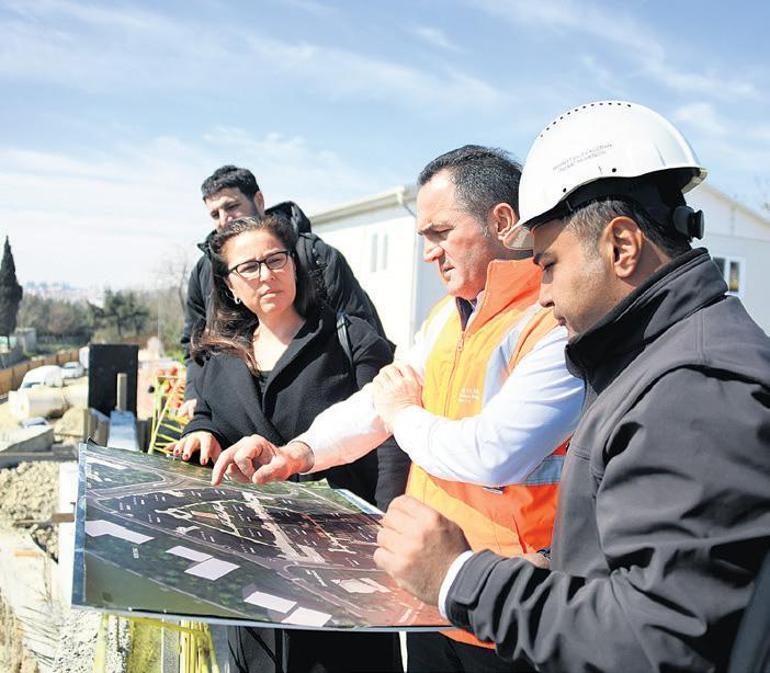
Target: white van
(47, 375)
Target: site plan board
(154, 537)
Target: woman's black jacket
(313, 373)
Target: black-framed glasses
(252, 268)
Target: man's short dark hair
(232, 177)
(483, 177)
(589, 221)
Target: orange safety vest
(464, 369)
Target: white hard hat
(596, 142)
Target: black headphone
(687, 221)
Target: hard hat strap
(662, 201)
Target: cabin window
(384, 252)
(373, 254)
(733, 270)
(378, 253)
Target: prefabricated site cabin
(377, 236)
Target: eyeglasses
(253, 268)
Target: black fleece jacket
(664, 509)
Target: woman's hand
(201, 441)
(257, 460)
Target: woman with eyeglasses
(272, 360)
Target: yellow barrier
(11, 377)
(6, 380)
(167, 427)
(196, 646)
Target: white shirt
(451, 573)
(534, 411)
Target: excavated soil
(29, 497)
(13, 657)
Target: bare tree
(170, 298)
(174, 272)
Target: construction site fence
(10, 378)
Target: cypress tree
(10, 293)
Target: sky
(112, 113)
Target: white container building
(377, 236)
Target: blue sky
(113, 112)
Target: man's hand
(187, 409)
(201, 441)
(396, 387)
(538, 560)
(416, 547)
(255, 459)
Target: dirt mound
(30, 493)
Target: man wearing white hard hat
(664, 510)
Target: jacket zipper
(457, 354)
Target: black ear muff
(687, 221)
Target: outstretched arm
(536, 409)
(350, 429)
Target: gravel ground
(78, 643)
(13, 656)
(31, 492)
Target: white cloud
(435, 37)
(315, 7)
(149, 52)
(340, 73)
(633, 39)
(701, 116)
(761, 132)
(604, 77)
(288, 168)
(110, 219)
(709, 84)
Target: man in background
(231, 192)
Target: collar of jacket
(292, 212)
(508, 282)
(320, 322)
(672, 293)
(203, 246)
(288, 209)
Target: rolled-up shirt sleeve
(345, 431)
(536, 409)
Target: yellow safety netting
(196, 646)
(168, 396)
(195, 649)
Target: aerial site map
(153, 536)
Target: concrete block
(28, 584)
(68, 495)
(70, 427)
(37, 438)
(123, 431)
(40, 401)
